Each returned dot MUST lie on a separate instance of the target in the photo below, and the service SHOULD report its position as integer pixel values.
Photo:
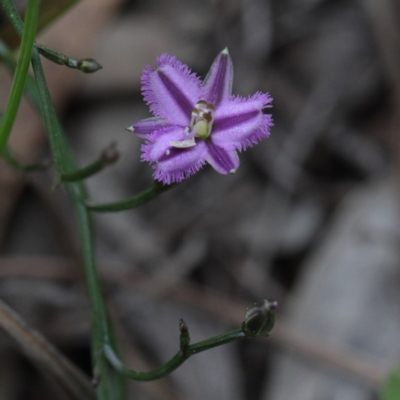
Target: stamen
(183, 144)
(203, 114)
(207, 117)
(201, 122)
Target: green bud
(89, 65)
(260, 318)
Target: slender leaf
(21, 72)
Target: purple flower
(197, 122)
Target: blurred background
(311, 218)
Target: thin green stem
(13, 15)
(30, 88)
(107, 157)
(25, 168)
(180, 357)
(258, 322)
(110, 386)
(87, 65)
(133, 202)
(166, 369)
(28, 37)
(63, 161)
(216, 341)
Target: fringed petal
(240, 123)
(171, 90)
(222, 160)
(171, 164)
(146, 127)
(218, 82)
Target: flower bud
(184, 337)
(260, 318)
(89, 65)
(110, 155)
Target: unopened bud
(110, 155)
(185, 337)
(89, 65)
(260, 318)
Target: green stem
(28, 37)
(63, 161)
(175, 361)
(216, 341)
(110, 387)
(107, 157)
(87, 65)
(13, 15)
(14, 162)
(30, 89)
(132, 202)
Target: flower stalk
(130, 203)
(180, 357)
(24, 168)
(260, 316)
(108, 156)
(86, 65)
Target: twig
(40, 351)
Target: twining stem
(133, 202)
(28, 37)
(181, 356)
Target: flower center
(202, 119)
(201, 123)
